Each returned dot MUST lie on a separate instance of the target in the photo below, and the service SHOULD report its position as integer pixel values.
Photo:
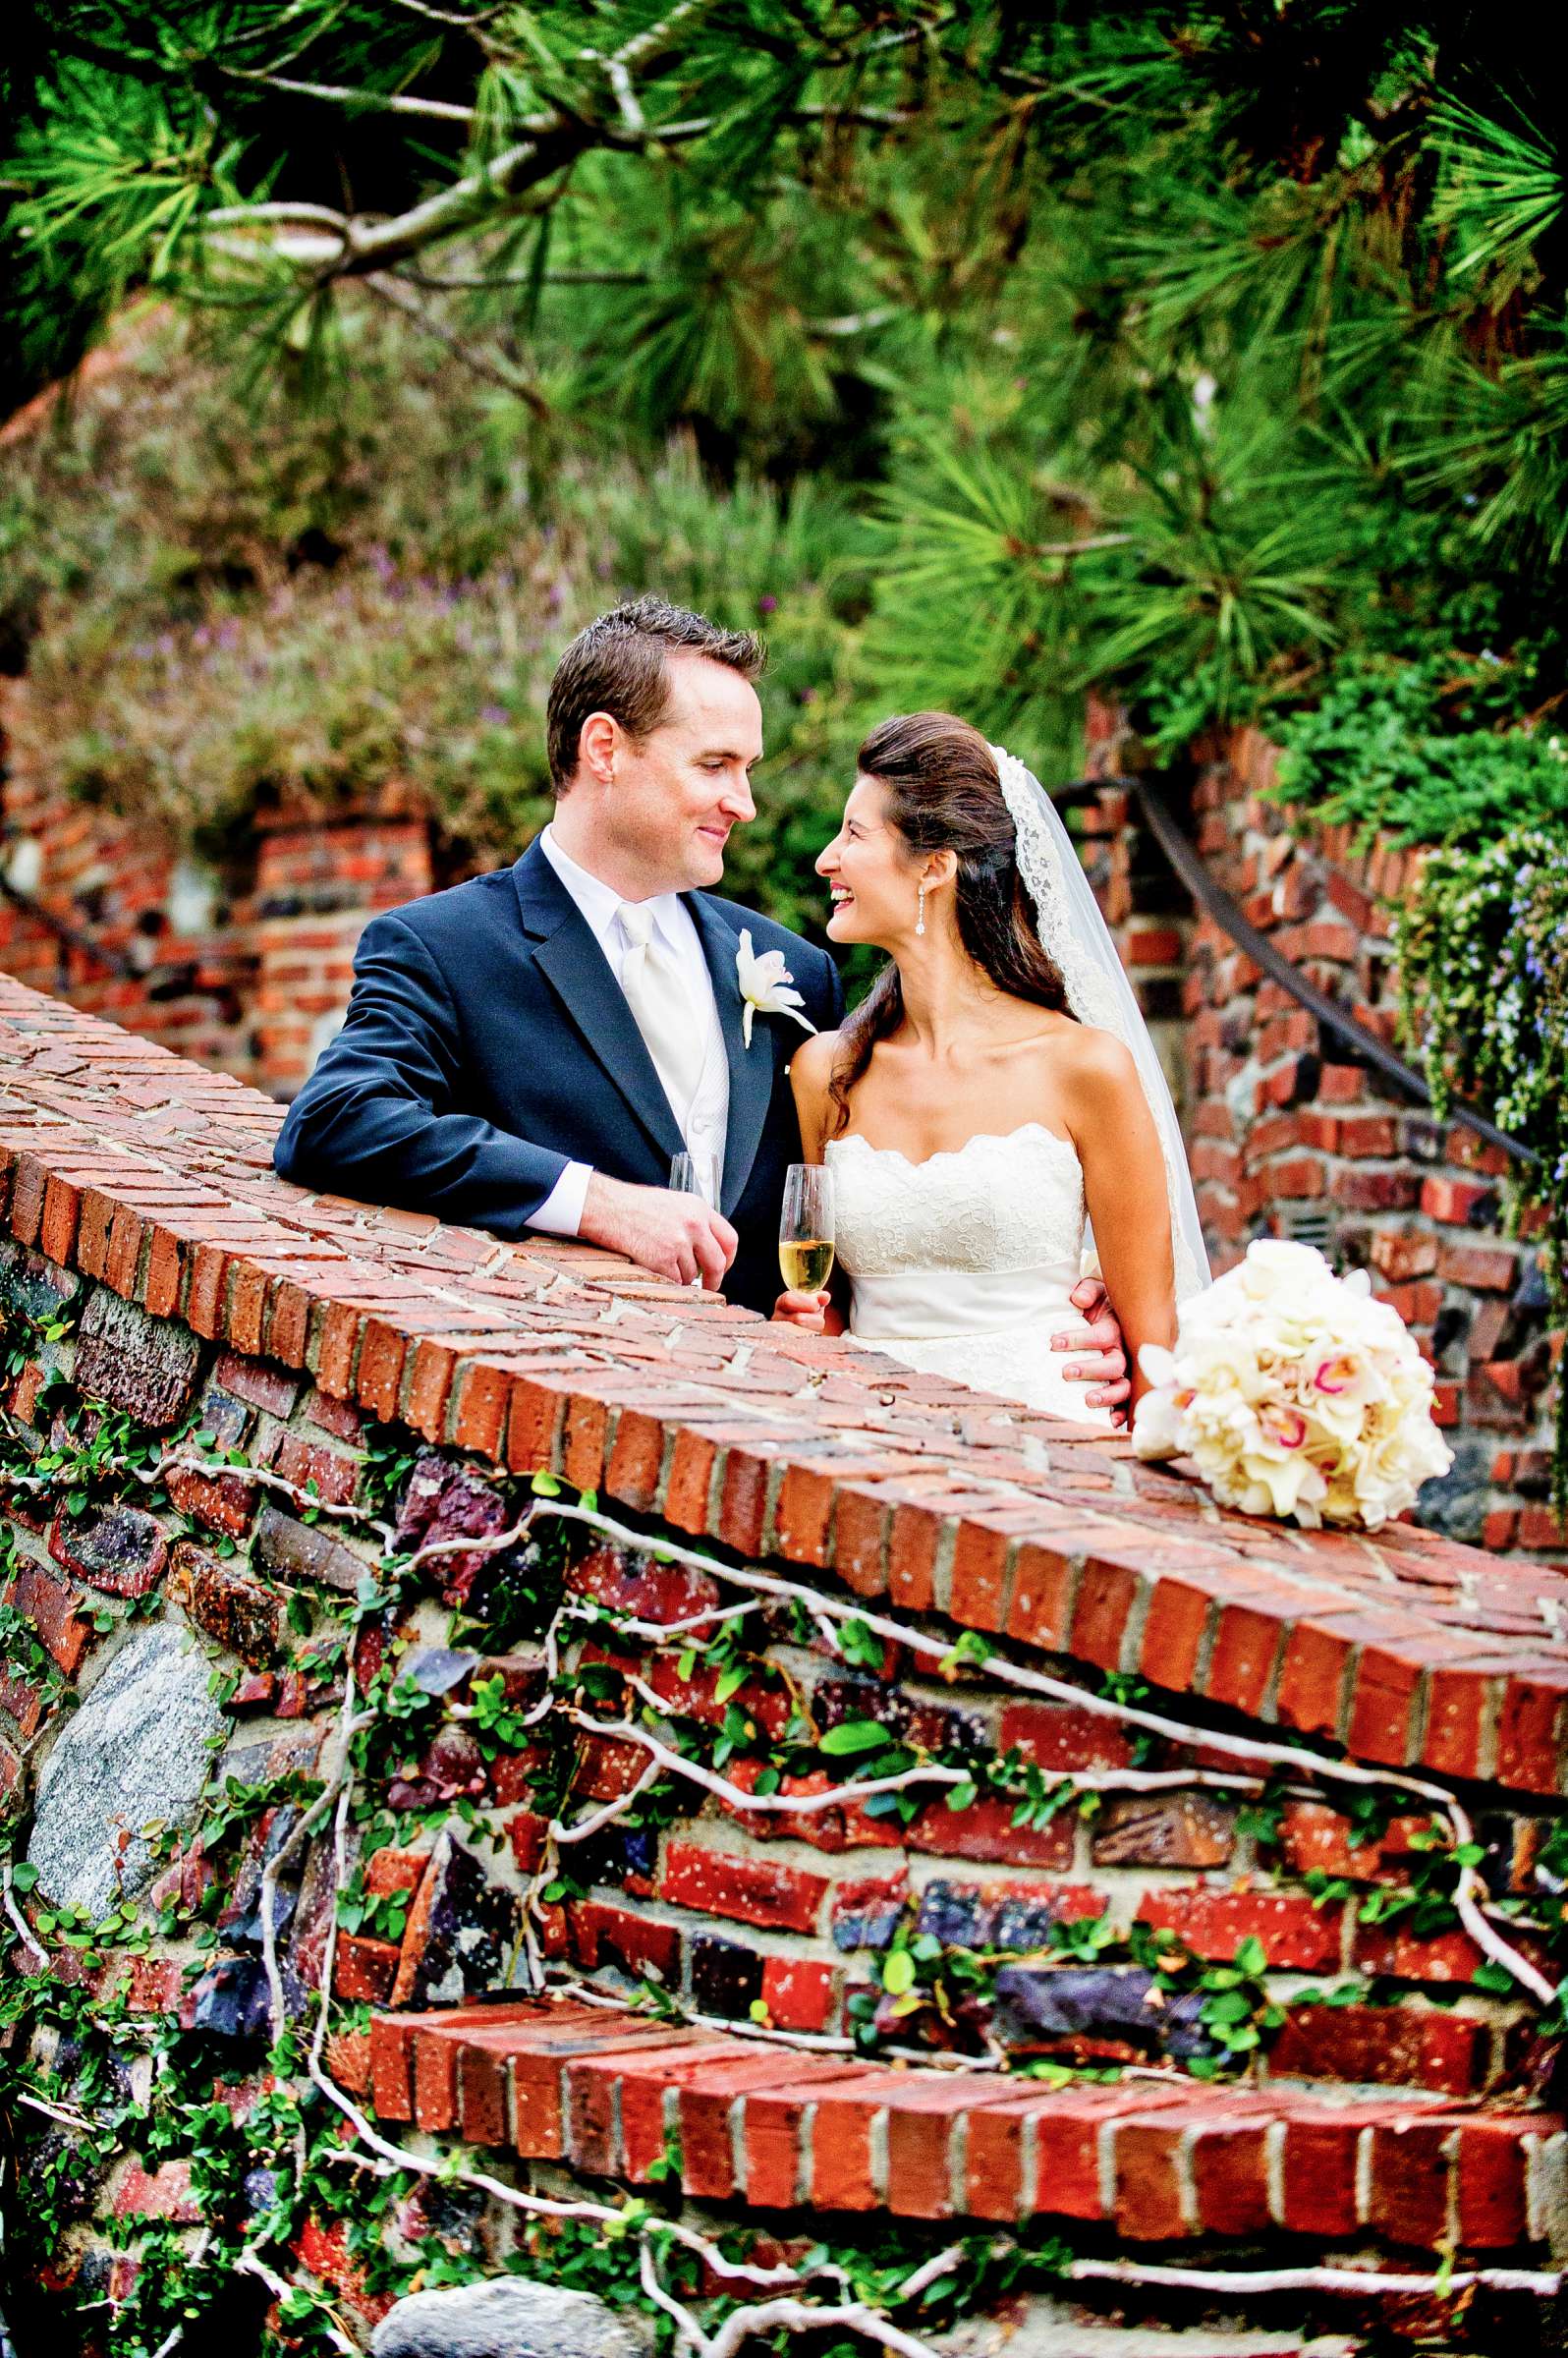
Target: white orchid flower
(764, 986)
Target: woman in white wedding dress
(995, 1101)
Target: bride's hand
(1101, 1360)
(816, 1313)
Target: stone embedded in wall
(146, 1366)
(32, 1287)
(231, 1604)
(135, 1753)
(460, 1931)
(297, 1551)
(510, 2316)
(1457, 1502)
(1174, 1829)
(116, 1548)
(1042, 2003)
(445, 1500)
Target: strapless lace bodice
(962, 1265)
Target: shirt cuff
(561, 1213)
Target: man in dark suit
(530, 1050)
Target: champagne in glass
(806, 1228)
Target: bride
(996, 1101)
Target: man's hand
(1101, 1359)
(675, 1236)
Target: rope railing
(1187, 864)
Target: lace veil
(1078, 938)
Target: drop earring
(919, 909)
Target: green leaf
(898, 1972)
(853, 1736)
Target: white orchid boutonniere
(764, 986)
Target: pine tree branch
(478, 363)
(392, 102)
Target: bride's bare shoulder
(811, 1063)
(1094, 1061)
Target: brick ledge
(152, 1176)
(609, 2092)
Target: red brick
(637, 1457)
(1173, 1633)
(799, 1993)
(477, 1412)
(1381, 1703)
(980, 1578)
(1213, 1922)
(1311, 1680)
(1493, 2209)
(583, 1442)
(1530, 1740)
(530, 1415)
(1246, 1643)
(1106, 1595)
(1410, 2174)
(1064, 1735)
(685, 1491)
(380, 1369)
(861, 1524)
(1405, 2046)
(746, 1484)
(1399, 1254)
(1043, 1582)
(1149, 2196)
(430, 1383)
(364, 1969)
(51, 1606)
(57, 1235)
(1486, 1269)
(803, 1516)
(1320, 2175)
(1454, 1199)
(749, 1890)
(1230, 2174)
(985, 1830)
(912, 1550)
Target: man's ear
(597, 741)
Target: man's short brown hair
(620, 665)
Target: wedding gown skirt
(962, 1265)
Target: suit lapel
(579, 973)
(751, 1068)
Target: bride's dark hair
(943, 794)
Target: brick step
(1157, 2161)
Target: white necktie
(656, 994)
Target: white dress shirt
(599, 904)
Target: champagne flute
(806, 1228)
(695, 1175)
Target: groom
(529, 1050)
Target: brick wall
(255, 1440)
(1288, 1134)
(249, 971)
(244, 964)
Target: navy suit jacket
(487, 1044)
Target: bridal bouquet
(1296, 1393)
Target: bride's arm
(1124, 1192)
